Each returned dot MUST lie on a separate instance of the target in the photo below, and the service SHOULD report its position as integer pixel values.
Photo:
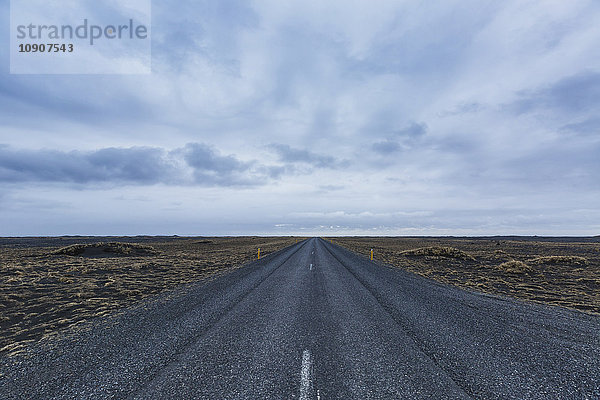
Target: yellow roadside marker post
(371, 254)
(259, 253)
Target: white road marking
(312, 252)
(305, 376)
(311, 267)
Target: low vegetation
(564, 272)
(437, 251)
(105, 249)
(558, 260)
(47, 286)
(514, 267)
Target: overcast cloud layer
(315, 118)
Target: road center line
(310, 267)
(305, 376)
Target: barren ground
(43, 290)
(558, 271)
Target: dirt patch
(558, 271)
(65, 281)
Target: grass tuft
(515, 267)
(559, 260)
(435, 251)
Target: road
(315, 321)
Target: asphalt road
(314, 321)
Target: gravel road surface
(315, 321)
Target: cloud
(330, 188)
(290, 155)
(587, 127)
(401, 139)
(463, 108)
(574, 94)
(212, 168)
(193, 32)
(142, 165)
(409, 92)
(386, 147)
(412, 131)
(344, 215)
(133, 165)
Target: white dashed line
(310, 267)
(305, 376)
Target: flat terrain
(558, 271)
(316, 321)
(47, 284)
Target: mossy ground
(552, 271)
(46, 286)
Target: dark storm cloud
(134, 165)
(290, 155)
(577, 93)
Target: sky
(317, 118)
